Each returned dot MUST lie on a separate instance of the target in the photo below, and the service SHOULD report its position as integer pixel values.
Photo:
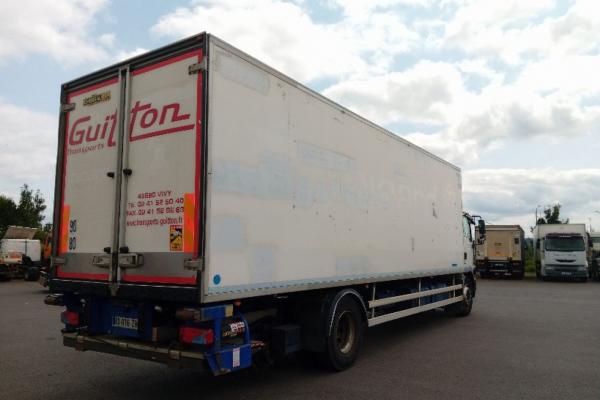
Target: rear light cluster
(70, 318)
(194, 335)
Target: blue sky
(506, 90)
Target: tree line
(28, 211)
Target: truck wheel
(463, 308)
(346, 336)
(31, 274)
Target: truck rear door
(130, 198)
(162, 191)
(88, 181)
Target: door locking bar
(102, 260)
(130, 260)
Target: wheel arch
(334, 301)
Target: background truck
(560, 251)
(502, 253)
(211, 211)
(20, 254)
(594, 255)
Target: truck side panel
(303, 193)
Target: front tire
(345, 339)
(464, 307)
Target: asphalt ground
(523, 340)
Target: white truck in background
(211, 211)
(594, 255)
(20, 254)
(560, 251)
(502, 253)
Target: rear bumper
(6, 270)
(134, 349)
(500, 267)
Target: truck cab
(560, 251)
(474, 231)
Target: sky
(506, 90)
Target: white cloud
(28, 148)
(284, 35)
(64, 30)
(511, 195)
(425, 93)
(517, 30)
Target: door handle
(130, 260)
(101, 260)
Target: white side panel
(301, 192)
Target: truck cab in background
(474, 231)
(594, 255)
(560, 251)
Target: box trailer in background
(212, 211)
(594, 255)
(20, 254)
(502, 253)
(560, 251)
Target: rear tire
(346, 337)
(31, 274)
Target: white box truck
(560, 251)
(211, 211)
(20, 254)
(502, 253)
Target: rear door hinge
(196, 68)
(196, 264)
(65, 108)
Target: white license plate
(565, 273)
(124, 322)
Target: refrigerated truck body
(502, 253)
(560, 251)
(210, 210)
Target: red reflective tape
(160, 279)
(167, 62)
(80, 275)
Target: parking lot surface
(524, 340)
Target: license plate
(565, 273)
(124, 322)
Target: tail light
(70, 318)
(193, 335)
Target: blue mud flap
(230, 359)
